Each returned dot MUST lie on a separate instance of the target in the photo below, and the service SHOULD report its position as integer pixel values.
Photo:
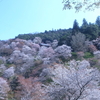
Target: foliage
(85, 23)
(77, 56)
(78, 42)
(74, 55)
(75, 27)
(14, 83)
(64, 36)
(98, 21)
(62, 59)
(90, 31)
(88, 55)
(79, 5)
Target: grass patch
(88, 55)
(74, 55)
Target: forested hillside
(64, 36)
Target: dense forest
(64, 36)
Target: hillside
(64, 36)
(33, 70)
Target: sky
(33, 16)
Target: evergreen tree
(84, 22)
(91, 31)
(84, 26)
(75, 27)
(98, 21)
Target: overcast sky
(29, 16)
